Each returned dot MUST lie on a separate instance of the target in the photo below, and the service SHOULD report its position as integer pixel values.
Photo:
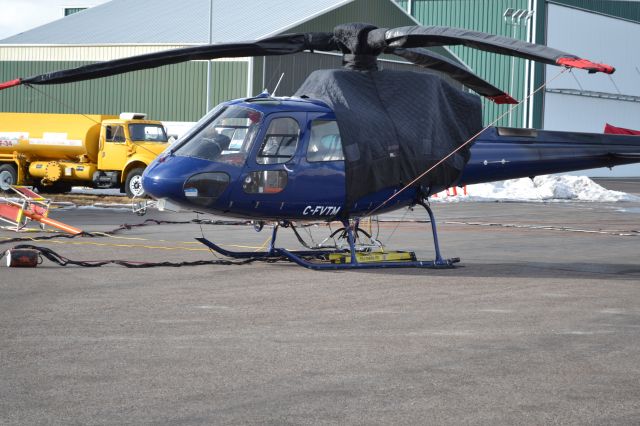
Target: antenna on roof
(277, 85)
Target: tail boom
(506, 153)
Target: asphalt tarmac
(539, 324)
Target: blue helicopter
(354, 142)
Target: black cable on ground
(127, 226)
(300, 239)
(44, 238)
(63, 261)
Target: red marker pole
(52, 222)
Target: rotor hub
(360, 44)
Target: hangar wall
(486, 16)
(625, 9)
(583, 102)
(175, 92)
(296, 68)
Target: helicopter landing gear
(432, 219)
(344, 259)
(353, 255)
(271, 252)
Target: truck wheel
(133, 185)
(8, 177)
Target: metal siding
(172, 93)
(296, 69)
(539, 68)
(608, 46)
(229, 81)
(486, 16)
(170, 21)
(584, 102)
(77, 53)
(71, 10)
(258, 75)
(629, 10)
(380, 13)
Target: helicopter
(356, 141)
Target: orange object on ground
(31, 207)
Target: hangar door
(582, 102)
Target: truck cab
(126, 146)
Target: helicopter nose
(185, 181)
(160, 181)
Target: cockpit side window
(280, 141)
(324, 143)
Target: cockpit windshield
(227, 137)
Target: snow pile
(541, 188)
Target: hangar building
(178, 92)
(598, 30)
(603, 31)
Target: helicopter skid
(300, 257)
(275, 253)
(431, 264)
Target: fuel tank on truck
(51, 136)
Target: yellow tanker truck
(55, 151)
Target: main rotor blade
(427, 59)
(418, 36)
(278, 45)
